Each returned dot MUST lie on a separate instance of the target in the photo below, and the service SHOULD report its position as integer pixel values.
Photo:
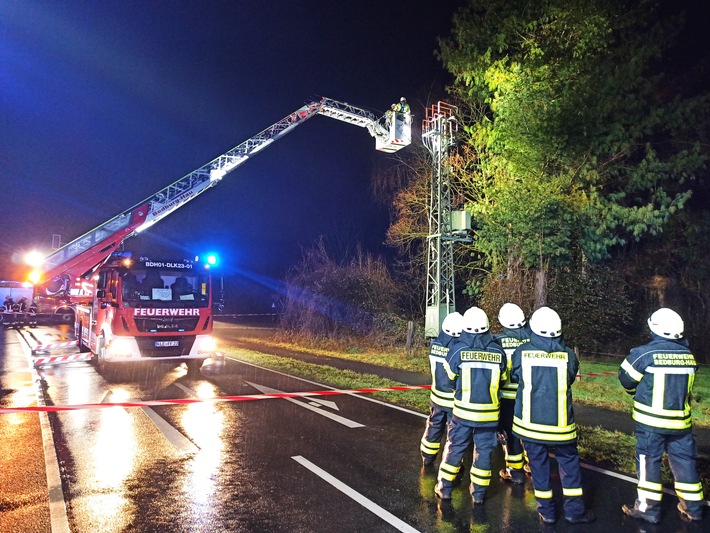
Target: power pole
(438, 135)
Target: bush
(353, 302)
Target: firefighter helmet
(453, 324)
(546, 322)
(511, 316)
(666, 323)
(403, 99)
(475, 320)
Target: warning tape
(56, 359)
(606, 373)
(55, 345)
(187, 401)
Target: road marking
(179, 441)
(337, 418)
(59, 522)
(624, 477)
(359, 498)
(325, 403)
(186, 390)
(380, 402)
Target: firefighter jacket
(442, 389)
(509, 340)
(544, 369)
(660, 375)
(478, 365)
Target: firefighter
(515, 333)
(401, 107)
(477, 364)
(545, 369)
(441, 399)
(8, 303)
(660, 376)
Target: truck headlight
(207, 345)
(120, 347)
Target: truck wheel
(66, 316)
(193, 366)
(100, 356)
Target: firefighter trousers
(570, 475)
(513, 446)
(682, 457)
(439, 419)
(460, 437)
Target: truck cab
(148, 310)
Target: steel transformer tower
(438, 135)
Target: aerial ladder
(62, 270)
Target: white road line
(336, 418)
(186, 390)
(624, 478)
(354, 395)
(359, 498)
(179, 441)
(59, 522)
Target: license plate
(166, 344)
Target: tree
(584, 142)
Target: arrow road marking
(325, 403)
(341, 420)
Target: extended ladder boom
(81, 256)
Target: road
(340, 463)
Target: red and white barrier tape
(55, 345)
(187, 401)
(56, 359)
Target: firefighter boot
(686, 514)
(428, 459)
(478, 494)
(634, 512)
(514, 475)
(443, 491)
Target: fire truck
(156, 320)
(148, 309)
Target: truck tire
(99, 358)
(66, 316)
(193, 366)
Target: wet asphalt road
(272, 465)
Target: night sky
(104, 103)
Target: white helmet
(475, 320)
(546, 322)
(453, 324)
(666, 323)
(511, 316)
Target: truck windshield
(141, 288)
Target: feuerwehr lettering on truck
(144, 311)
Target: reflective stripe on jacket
(478, 364)
(544, 369)
(509, 340)
(660, 375)
(442, 390)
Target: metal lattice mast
(438, 135)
